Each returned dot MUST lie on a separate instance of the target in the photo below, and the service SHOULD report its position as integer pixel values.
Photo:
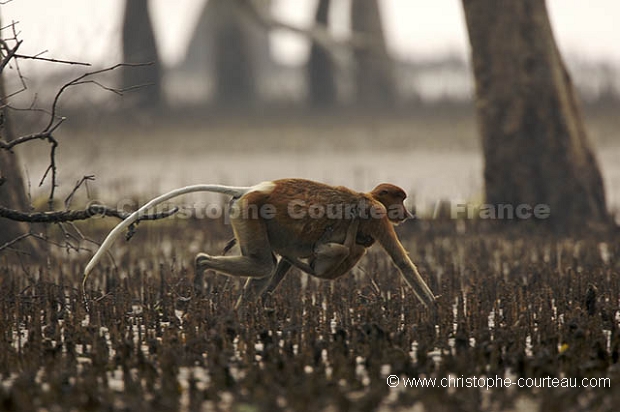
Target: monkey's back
(307, 212)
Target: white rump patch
(264, 187)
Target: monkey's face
(392, 197)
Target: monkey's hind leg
(262, 288)
(256, 259)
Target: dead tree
(12, 191)
(15, 234)
(12, 187)
(321, 81)
(535, 144)
(139, 46)
(374, 77)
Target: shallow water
(427, 175)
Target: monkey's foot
(267, 302)
(202, 261)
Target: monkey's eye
(383, 192)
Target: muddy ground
(514, 304)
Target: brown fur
(331, 245)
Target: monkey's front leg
(331, 259)
(330, 255)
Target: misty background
(425, 139)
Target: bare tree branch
(10, 53)
(320, 34)
(81, 80)
(46, 239)
(72, 237)
(24, 139)
(52, 168)
(8, 26)
(55, 121)
(115, 90)
(46, 59)
(14, 241)
(83, 181)
(74, 215)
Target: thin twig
(10, 54)
(8, 26)
(31, 108)
(81, 235)
(116, 90)
(67, 237)
(83, 181)
(22, 79)
(15, 93)
(46, 59)
(12, 242)
(52, 167)
(80, 80)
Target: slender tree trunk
(374, 77)
(139, 47)
(535, 146)
(321, 80)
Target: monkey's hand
(325, 237)
(364, 240)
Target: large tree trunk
(13, 195)
(321, 80)
(235, 79)
(535, 146)
(374, 77)
(12, 188)
(228, 58)
(139, 47)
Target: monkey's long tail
(227, 190)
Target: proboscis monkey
(328, 226)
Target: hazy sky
(90, 30)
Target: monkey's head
(392, 197)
